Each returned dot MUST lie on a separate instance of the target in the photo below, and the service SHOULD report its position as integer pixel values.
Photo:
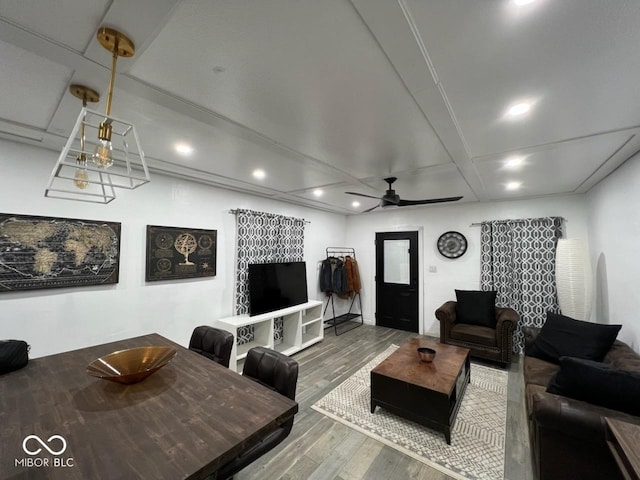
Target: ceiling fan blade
(362, 195)
(405, 203)
(369, 209)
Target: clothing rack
(333, 252)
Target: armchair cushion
(597, 383)
(474, 334)
(563, 336)
(476, 308)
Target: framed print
(174, 253)
(50, 252)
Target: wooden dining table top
(183, 422)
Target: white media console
(302, 327)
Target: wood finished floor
(319, 448)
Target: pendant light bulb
(86, 94)
(103, 153)
(81, 177)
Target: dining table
(184, 421)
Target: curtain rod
(233, 212)
(519, 220)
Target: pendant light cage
(102, 152)
(129, 170)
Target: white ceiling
(340, 94)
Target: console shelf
(302, 326)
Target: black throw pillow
(597, 383)
(476, 308)
(563, 336)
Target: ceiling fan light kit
(112, 144)
(392, 199)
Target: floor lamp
(573, 278)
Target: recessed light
(355, 204)
(317, 192)
(513, 162)
(519, 109)
(513, 185)
(183, 148)
(259, 173)
(521, 3)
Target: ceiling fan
(392, 199)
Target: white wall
(464, 272)
(57, 320)
(614, 231)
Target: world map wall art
(46, 252)
(174, 253)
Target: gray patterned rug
(477, 440)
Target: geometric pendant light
(102, 152)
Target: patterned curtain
(518, 261)
(263, 238)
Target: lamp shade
(573, 278)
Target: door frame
(405, 228)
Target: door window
(396, 261)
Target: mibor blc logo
(55, 445)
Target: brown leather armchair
(484, 342)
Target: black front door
(397, 280)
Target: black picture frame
(39, 252)
(175, 253)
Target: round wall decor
(452, 244)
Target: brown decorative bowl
(426, 354)
(132, 365)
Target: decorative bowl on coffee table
(132, 365)
(426, 354)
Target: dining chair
(213, 343)
(279, 373)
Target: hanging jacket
(339, 277)
(326, 281)
(353, 276)
(348, 267)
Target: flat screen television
(273, 286)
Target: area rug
(477, 440)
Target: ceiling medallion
(452, 244)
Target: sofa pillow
(597, 383)
(563, 336)
(476, 307)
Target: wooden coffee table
(427, 393)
